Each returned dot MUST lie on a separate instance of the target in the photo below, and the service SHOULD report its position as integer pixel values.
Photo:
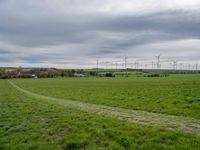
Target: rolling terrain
(100, 113)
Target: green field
(177, 94)
(29, 120)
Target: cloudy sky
(74, 33)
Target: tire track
(162, 121)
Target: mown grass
(177, 94)
(35, 124)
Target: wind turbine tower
(174, 65)
(97, 66)
(158, 61)
(125, 62)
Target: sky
(75, 33)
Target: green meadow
(31, 122)
(177, 94)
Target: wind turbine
(158, 61)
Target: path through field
(163, 121)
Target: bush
(4, 77)
(153, 75)
(25, 76)
(43, 74)
(109, 75)
(156, 75)
(92, 73)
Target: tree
(43, 74)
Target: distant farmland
(101, 113)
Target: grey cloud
(99, 34)
(67, 29)
(3, 51)
(103, 50)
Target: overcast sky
(74, 33)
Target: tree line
(38, 73)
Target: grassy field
(177, 94)
(28, 122)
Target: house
(12, 74)
(79, 75)
(34, 76)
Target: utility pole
(196, 66)
(158, 61)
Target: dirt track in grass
(163, 121)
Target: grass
(33, 123)
(163, 121)
(177, 94)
